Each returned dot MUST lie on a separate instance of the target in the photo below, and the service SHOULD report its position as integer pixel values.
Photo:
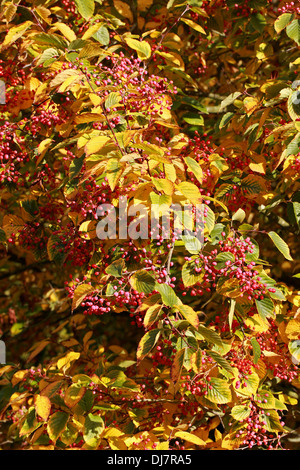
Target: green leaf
(271, 420)
(102, 36)
(265, 307)
(218, 391)
(229, 100)
(281, 245)
(56, 250)
(112, 100)
(48, 56)
(85, 8)
(264, 399)
(86, 402)
(152, 315)
(57, 424)
(282, 21)
(70, 434)
(221, 361)
(52, 40)
(192, 244)
(31, 423)
(147, 343)
(75, 167)
(142, 281)
(209, 218)
(74, 394)
(294, 348)
(250, 385)
(222, 259)
(293, 107)
(256, 350)
(258, 21)
(225, 120)
(293, 211)
(293, 31)
(216, 233)
(93, 428)
(168, 295)
(189, 314)
(116, 268)
(270, 283)
(193, 119)
(210, 335)
(255, 254)
(194, 103)
(240, 412)
(189, 276)
(239, 215)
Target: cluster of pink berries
(280, 364)
(254, 433)
(291, 7)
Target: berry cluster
(279, 363)
(254, 432)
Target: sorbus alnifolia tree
(164, 341)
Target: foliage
(150, 343)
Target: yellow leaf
(258, 163)
(163, 446)
(32, 83)
(62, 76)
(89, 229)
(250, 104)
(96, 144)
(42, 406)
(42, 149)
(190, 191)
(292, 330)
(91, 30)
(15, 33)
(96, 99)
(172, 59)
(170, 172)
(194, 25)
(73, 395)
(65, 30)
(164, 185)
(80, 293)
(10, 12)
(189, 437)
(68, 83)
(64, 362)
(142, 48)
(89, 117)
(19, 376)
(117, 443)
